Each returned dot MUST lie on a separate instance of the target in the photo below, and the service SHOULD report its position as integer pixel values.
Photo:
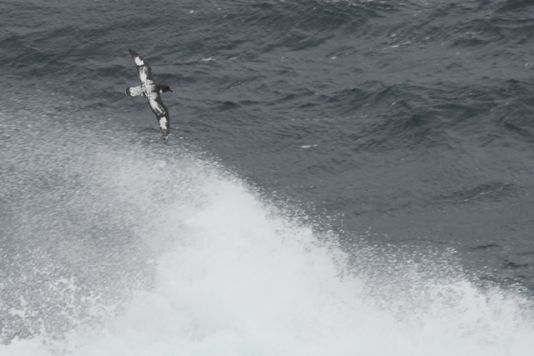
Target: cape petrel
(151, 90)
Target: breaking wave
(122, 247)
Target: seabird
(151, 90)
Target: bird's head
(164, 88)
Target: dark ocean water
(343, 177)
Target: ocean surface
(342, 178)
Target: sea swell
(343, 177)
(117, 247)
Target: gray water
(343, 177)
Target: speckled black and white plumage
(151, 90)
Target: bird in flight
(152, 91)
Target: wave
(119, 247)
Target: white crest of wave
(235, 276)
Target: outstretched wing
(143, 69)
(135, 91)
(164, 126)
(162, 114)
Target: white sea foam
(235, 276)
